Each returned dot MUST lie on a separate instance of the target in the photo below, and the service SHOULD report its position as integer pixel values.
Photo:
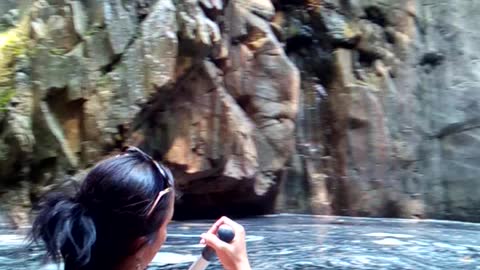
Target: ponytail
(100, 225)
(65, 228)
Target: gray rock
(79, 83)
(96, 12)
(403, 145)
(50, 70)
(195, 26)
(6, 5)
(79, 17)
(338, 27)
(159, 41)
(42, 10)
(135, 73)
(98, 49)
(10, 18)
(61, 32)
(39, 30)
(14, 8)
(388, 122)
(69, 71)
(447, 96)
(119, 23)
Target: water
(310, 242)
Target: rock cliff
(355, 107)
(388, 112)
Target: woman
(118, 218)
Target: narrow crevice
(432, 59)
(111, 66)
(457, 128)
(376, 15)
(367, 58)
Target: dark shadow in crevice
(367, 58)
(111, 66)
(376, 15)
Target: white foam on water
(365, 260)
(254, 238)
(52, 267)
(188, 226)
(181, 235)
(12, 239)
(390, 242)
(249, 238)
(394, 235)
(191, 246)
(285, 251)
(164, 258)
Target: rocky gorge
(343, 107)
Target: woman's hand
(233, 255)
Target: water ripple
(313, 242)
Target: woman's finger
(237, 228)
(215, 226)
(213, 241)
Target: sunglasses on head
(163, 171)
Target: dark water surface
(310, 242)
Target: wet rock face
(328, 107)
(229, 126)
(448, 153)
(78, 81)
(206, 88)
(397, 137)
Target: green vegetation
(13, 45)
(5, 97)
(3, 27)
(58, 51)
(92, 31)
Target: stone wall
(206, 88)
(357, 107)
(387, 125)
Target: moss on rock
(13, 45)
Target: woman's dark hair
(119, 201)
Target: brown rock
(61, 31)
(209, 141)
(265, 84)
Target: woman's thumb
(213, 241)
